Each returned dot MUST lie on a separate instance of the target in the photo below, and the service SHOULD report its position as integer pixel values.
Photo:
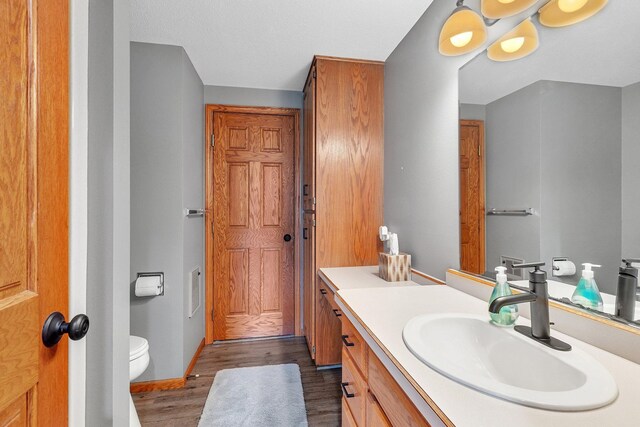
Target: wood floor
(183, 407)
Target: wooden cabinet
(309, 306)
(371, 396)
(343, 182)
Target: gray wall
(473, 112)
(512, 160)
(580, 175)
(421, 146)
(108, 214)
(421, 140)
(192, 197)
(556, 147)
(631, 171)
(167, 157)
(252, 97)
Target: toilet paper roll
(564, 268)
(148, 286)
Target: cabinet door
(309, 166)
(375, 416)
(309, 291)
(328, 329)
(395, 404)
(349, 158)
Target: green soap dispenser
(508, 314)
(587, 293)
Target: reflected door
(472, 212)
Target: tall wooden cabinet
(343, 184)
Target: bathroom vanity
(384, 383)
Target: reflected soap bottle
(508, 314)
(587, 293)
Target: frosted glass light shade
(498, 9)
(517, 43)
(560, 13)
(463, 32)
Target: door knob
(287, 237)
(55, 327)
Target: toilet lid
(137, 347)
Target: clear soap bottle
(587, 293)
(508, 314)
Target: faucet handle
(536, 275)
(535, 265)
(630, 261)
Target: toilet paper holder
(555, 270)
(153, 274)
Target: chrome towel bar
(511, 212)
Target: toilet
(138, 363)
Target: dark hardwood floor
(183, 407)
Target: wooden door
(253, 213)
(308, 235)
(34, 101)
(472, 212)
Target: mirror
(550, 155)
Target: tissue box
(394, 268)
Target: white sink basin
(504, 363)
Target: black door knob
(55, 327)
(287, 237)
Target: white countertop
(339, 278)
(383, 312)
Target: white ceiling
(270, 44)
(603, 50)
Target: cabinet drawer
(326, 292)
(354, 389)
(375, 415)
(347, 418)
(355, 345)
(393, 401)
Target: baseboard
(157, 385)
(170, 383)
(194, 359)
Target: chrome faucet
(627, 290)
(538, 297)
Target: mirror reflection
(550, 161)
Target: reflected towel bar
(193, 212)
(511, 212)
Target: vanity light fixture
(498, 9)
(516, 44)
(560, 13)
(463, 32)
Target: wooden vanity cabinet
(343, 184)
(370, 395)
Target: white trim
(78, 185)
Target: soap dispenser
(507, 315)
(587, 293)
(627, 289)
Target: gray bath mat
(259, 396)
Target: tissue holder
(394, 268)
(149, 284)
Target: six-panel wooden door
(253, 224)
(34, 181)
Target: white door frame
(78, 205)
